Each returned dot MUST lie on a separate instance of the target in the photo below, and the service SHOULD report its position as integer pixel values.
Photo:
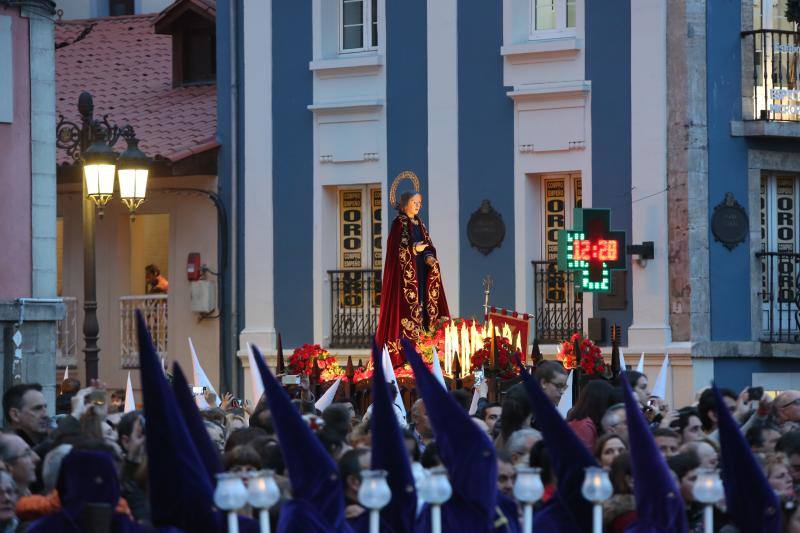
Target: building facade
(535, 106)
(28, 307)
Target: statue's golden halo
(405, 175)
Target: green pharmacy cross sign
(592, 250)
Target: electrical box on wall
(204, 296)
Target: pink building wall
(15, 172)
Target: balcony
(771, 84)
(779, 296)
(154, 311)
(355, 304)
(558, 307)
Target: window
(359, 25)
(552, 17)
(117, 8)
(199, 56)
(770, 14)
(6, 71)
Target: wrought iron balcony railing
(775, 73)
(780, 296)
(558, 307)
(355, 303)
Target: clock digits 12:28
(599, 250)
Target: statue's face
(414, 205)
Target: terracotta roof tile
(128, 70)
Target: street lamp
(91, 144)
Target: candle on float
(507, 333)
(518, 344)
(446, 351)
(491, 344)
(464, 349)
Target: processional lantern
(591, 250)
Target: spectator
(552, 377)
(411, 446)
(69, 387)
(216, 433)
(585, 418)
(777, 470)
(789, 444)
(337, 421)
(786, 410)
(155, 283)
(616, 421)
(668, 441)
(638, 383)
(516, 413)
(481, 424)
(21, 461)
(491, 414)
(706, 451)
(243, 436)
(350, 466)
(619, 511)
(117, 404)
(25, 412)
(520, 444)
(688, 425)
(8, 503)
(539, 458)
(685, 466)
(608, 447)
(421, 425)
(241, 459)
(133, 475)
(707, 407)
(762, 436)
(506, 475)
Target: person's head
(70, 386)
(506, 474)
(778, 472)
(216, 433)
(607, 448)
(117, 401)
(621, 474)
(705, 450)
(638, 383)
(491, 414)
(516, 412)
(552, 377)
(789, 444)
(350, 466)
(241, 459)
(151, 272)
(128, 423)
(419, 417)
(519, 445)
(270, 453)
(787, 406)
(667, 440)
(243, 436)
(541, 459)
(688, 425)
(51, 466)
(411, 445)
(707, 407)
(430, 457)
(410, 203)
(262, 418)
(685, 466)
(337, 420)
(335, 444)
(595, 398)
(8, 497)
(762, 436)
(25, 410)
(20, 458)
(615, 421)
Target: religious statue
(412, 294)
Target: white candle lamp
(230, 495)
(528, 489)
(708, 490)
(374, 494)
(262, 494)
(597, 489)
(436, 490)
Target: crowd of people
(55, 470)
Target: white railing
(67, 334)
(154, 310)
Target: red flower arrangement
(592, 363)
(505, 357)
(302, 362)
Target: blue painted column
(407, 93)
(608, 66)
(485, 151)
(293, 169)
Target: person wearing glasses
(786, 411)
(21, 461)
(553, 379)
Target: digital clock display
(599, 250)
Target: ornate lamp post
(91, 143)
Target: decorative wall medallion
(486, 229)
(729, 222)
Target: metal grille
(775, 73)
(558, 306)
(67, 334)
(780, 296)
(154, 310)
(355, 302)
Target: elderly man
(786, 410)
(21, 461)
(25, 411)
(615, 421)
(520, 443)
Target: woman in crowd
(608, 447)
(595, 398)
